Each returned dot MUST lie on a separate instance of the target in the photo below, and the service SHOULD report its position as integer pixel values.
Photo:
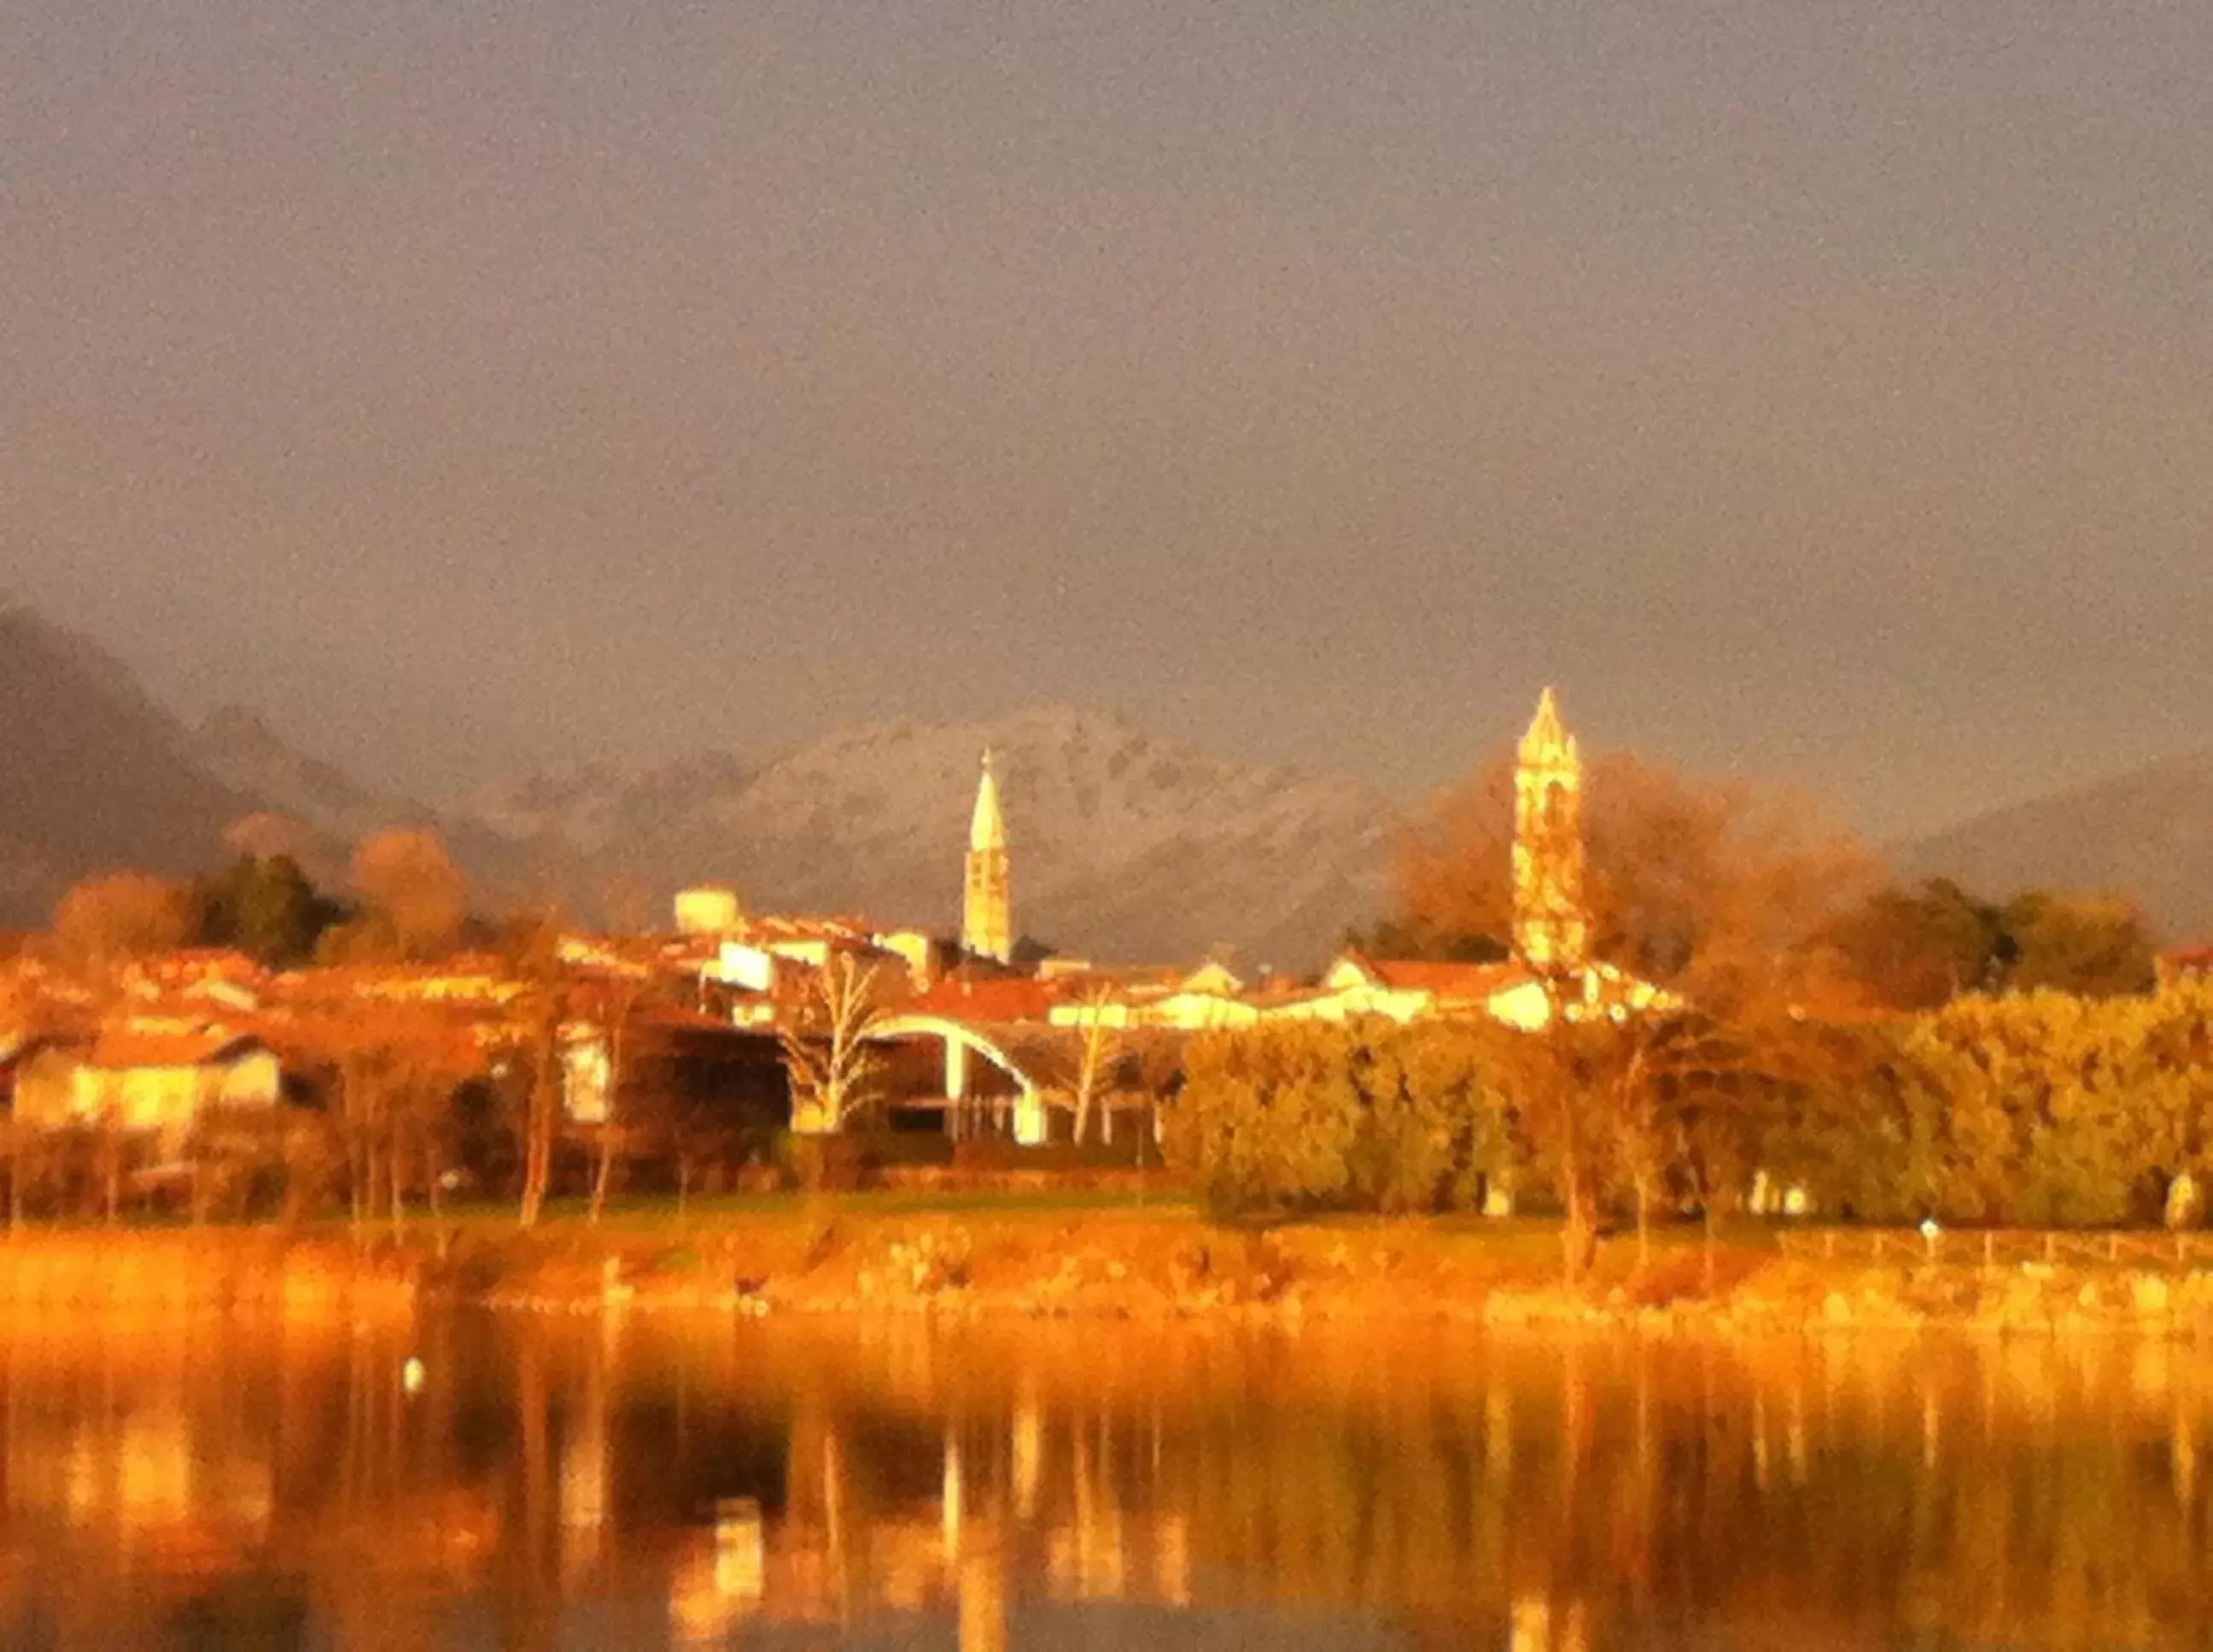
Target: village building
(145, 1076)
(923, 953)
(471, 981)
(767, 953)
(1415, 989)
(209, 975)
(1210, 996)
(997, 1056)
(701, 1062)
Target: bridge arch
(1025, 1055)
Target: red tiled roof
(1468, 982)
(771, 927)
(995, 1000)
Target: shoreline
(1100, 1265)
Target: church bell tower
(987, 916)
(1552, 927)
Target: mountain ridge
(2146, 834)
(1124, 846)
(94, 775)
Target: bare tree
(533, 1063)
(27, 1015)
(835, 1072)
(1100, 1054)
(619, 1011)
(541, 1097)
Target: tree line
(406, 900)
(2042, 1109)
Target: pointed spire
(987, 924)
(987, 828)
(1551, 929)
(1546, 728)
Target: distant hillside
(1124, 846)
(239, 749)
(93, 774)
(2146, 834)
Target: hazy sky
(1824, 389)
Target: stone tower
(1551, 929)
(987, 913)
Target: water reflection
(659, 1483)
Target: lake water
(692, 1483)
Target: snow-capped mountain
(1124, 846)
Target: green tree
(1921, 948)
(1918, 949)
(266, 906)
(1319, 1116)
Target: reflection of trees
(1673, 1483)
(2048, 1493)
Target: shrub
(1372, 1116)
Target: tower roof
(1546, 728)
(987, 828)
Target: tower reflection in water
(700, 1484)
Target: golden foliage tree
(417, 898)
(1708, 886)
(107, 920)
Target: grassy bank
(1121, 1256)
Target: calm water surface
(582, 1484)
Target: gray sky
(1825, 390)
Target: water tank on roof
(708, 909)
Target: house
(700, 1059)
(925, 954)
(766, 951)
(475, 982)
(210, 975)
(1406, 990)
(1510, 993)
(145, 1076)
(1204, 999)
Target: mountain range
(1124, 846)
